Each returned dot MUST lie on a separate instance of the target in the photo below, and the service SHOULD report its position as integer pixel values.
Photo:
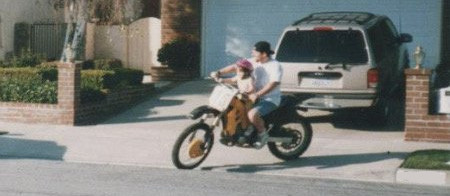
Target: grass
(428, 159)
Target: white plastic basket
(221, 97)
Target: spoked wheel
(192, 146)
(301, 133)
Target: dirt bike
(289, 133)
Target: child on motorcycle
(243, 78)
(245, 82)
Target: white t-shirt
(245, 85)
(264, 73)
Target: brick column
(69, 81)
(420, 125)
(180, 18)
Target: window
(337, 46)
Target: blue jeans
(264, 107)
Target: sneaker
(262, 140)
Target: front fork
(212, 126)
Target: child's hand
(214, 74)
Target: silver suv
(343, 59)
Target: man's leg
(256, 120)
(255, 116)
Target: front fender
(204, 109)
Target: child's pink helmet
(245, 64)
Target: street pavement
(344, 145)
(43, 177)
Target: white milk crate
(221, 97)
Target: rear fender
(204, 109)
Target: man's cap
(263, 46)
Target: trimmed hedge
(96, 83)
(39, 85)
(29, 85)
(102, 64)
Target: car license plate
(320, 83)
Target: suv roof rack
(336, 18)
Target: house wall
(30, 11)
(230, 28)
(135, 45)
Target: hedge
(39, 85)
(29, 85)
(102, 64)
(96, 83)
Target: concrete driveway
(344, 146)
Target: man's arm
(228, 69)
(266, 89)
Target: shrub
(26, 59)
(98, 79)
(102, 64)
(180, 54)
(111, 79)
(96, 83)
(26, 85)
(130, 77)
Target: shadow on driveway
(320, 162)
(14, 148)
(361, 119)
(153, 109)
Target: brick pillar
(180, 18)
(69, 81)
(420, 125)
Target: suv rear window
(337, 46)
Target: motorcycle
(289, 133)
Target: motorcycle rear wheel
(301, 132)
(192, 146)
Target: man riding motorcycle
(267, 97)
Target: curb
(424, 177)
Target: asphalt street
(42, 177)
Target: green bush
(180, 54)
(102, 64)
(129, 77)
(111, 79)
(26, 85)
(26, 59)
(96, 83)
(98, 79)
(92, 84)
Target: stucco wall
(135, 45)
(144, 42)
(30, 11)
(111, 42)
(230, 28)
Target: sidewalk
(144, 136)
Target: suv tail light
(372, 78)
(325, 28)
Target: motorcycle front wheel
(192, 146)
(301, 133)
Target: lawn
(428, 159)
